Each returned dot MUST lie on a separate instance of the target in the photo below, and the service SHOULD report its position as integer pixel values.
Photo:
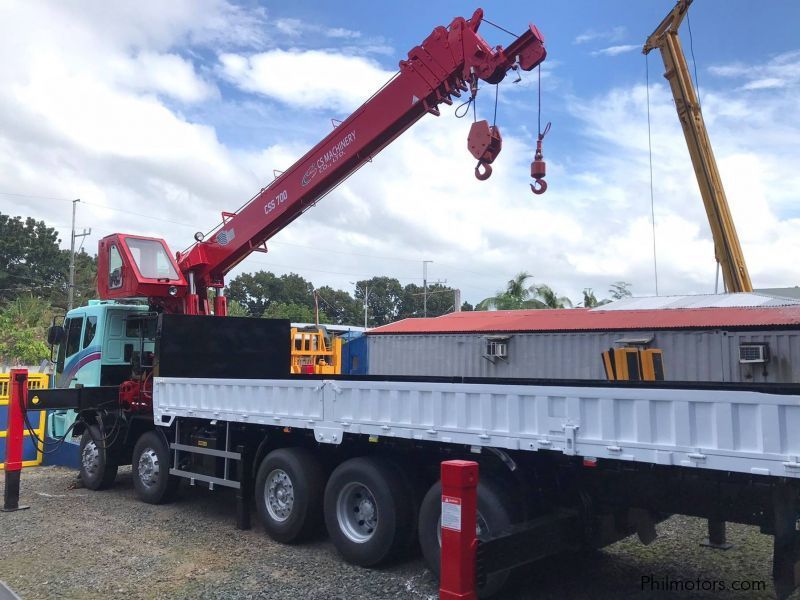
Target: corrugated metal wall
(688, 355)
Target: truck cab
(95, 348)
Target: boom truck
(564, 465)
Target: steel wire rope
(650, 157)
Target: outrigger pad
(222, 347)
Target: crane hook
(486, 173)
(539, 187)
(538, 166)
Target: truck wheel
(495, 513)
(150, 467)
(98, 468)
(289, 488)
(369, 511)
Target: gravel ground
(74, 543)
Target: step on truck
(565, 465)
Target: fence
(32, 455)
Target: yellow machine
(633, 364)
(315, 351)
(727, 249)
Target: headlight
(173, 291)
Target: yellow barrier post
(36, 381)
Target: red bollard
(17, 403)
(459, 540)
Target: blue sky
(160, 116)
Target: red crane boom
(450, 61)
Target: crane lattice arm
(727, 248)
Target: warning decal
(451, 513)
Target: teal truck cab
(95, 348)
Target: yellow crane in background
(727, 249)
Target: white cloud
(296, 27)
(615, 50)
(307, 79)
(608, 35)
(781, 71)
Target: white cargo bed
(741, 431)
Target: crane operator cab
(131, 266)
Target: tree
(236, 309)
(85, 281)
(340, 306)
(466, 306)
(589, 299)
(412, 303)
(518, 295)
(297, 313)
(515, 294)
(258, 290)
(30, 259)
(620, 290)
(545, 294)
(385, 295)
(23, 323)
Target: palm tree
(518, 295)
(589, 298)
(548, 297)
(515, 296)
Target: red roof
(583, 319)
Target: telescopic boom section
(448, 63)
(727, 249)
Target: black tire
(98, 465)
(496, 511)
(295, 513)
(387, 531)
(150, 469)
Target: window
(62, 349)
(151, 259)
(134, 325)
(89, 332)
(74, 336)
(496, 347)
(114, 268)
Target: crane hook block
(538, 170)
(484, 143)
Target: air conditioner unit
(753, 353)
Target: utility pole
(425, 287)
(456, 300)
(71, 289)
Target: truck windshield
(151, 259)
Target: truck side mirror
(55, 334)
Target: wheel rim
(279, 495)
(90, 458)
(357, 512)
(148, 468)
